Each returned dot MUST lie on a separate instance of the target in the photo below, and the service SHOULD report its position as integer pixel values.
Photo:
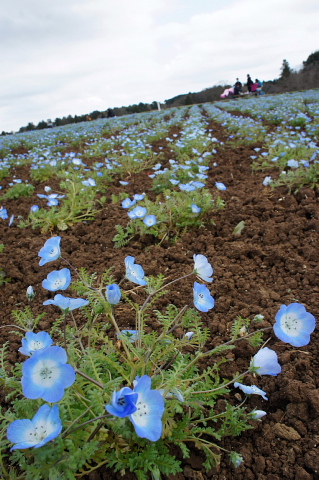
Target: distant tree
(189, 99)
(41, 125)
(30, 127)
(286, 71)
(94, 115)
(313, 57)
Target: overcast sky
(61, 57)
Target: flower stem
(84, 375)
(222, 386)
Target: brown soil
(274, 261)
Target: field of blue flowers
(226, 191)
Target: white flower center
(36, 345)
(291, 325)
(141, 414)
(53, 251)
(59, 282)
(46, 373)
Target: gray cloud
(73, 57)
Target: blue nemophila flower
(11, 220)
(139, 212)
(3, 213)
(34, 342)
(265, 362)
(267, 181)
(123, 403)
(132, 335)
(134, 272)
(203, 300)
(294, 325)
(34, 208)
(132, 215)
(46, 374)
(127, 203)
(292, 163)
(202, 268)
(138, 196)
(147, 419)
(50, 251)
(57, 280)
(30, 293)
(150, 220)
(45, 426)
(113, 294)
(257, 414)
(90, 182)
(195, 208)
(66, 303)
(186, 187)
(220, 186)
(189, 335)
(251, 390)
(145, 408)
(236, 459)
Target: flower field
(168, 253)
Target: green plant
(43, 174)
(2, 272)
(19, 190)
(174, 215)
(91, 437)
(78, 205)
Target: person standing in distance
(249, 83)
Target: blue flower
(203, 268)
(139, 212)
(134, 272)
(123, 403)
(90, 182)
(265, 362)
(45, 426)
(236, 459)
(186, 187)
(293, 163)
(34, 342)
(147, 419)
(66, 303)
(145, 408)
(46, 374)
(257, 414)
(138, 196)
(250, 390)
(220, 186)
(127, 203)
(34, 208)
(150, 220)
(132, 335)
(203, 300)
(30, 293)
(50, 251)
(189, 335)
(294, 325)
(267, 181)
(195, 208)
(113, 294)
(3, 213)
(57, 280)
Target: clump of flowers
(120, 396)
